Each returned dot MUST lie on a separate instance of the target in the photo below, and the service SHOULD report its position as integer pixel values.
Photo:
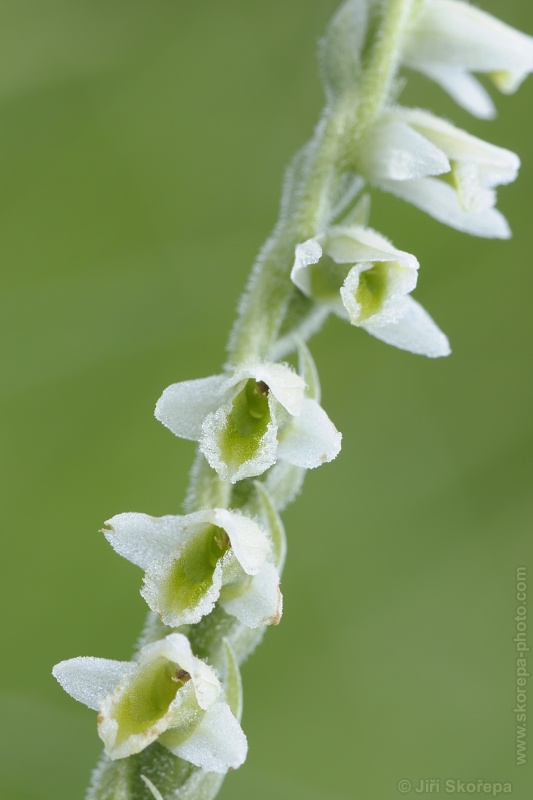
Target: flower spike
(214, 572)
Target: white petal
(454, 32)
(216, 744)
(462, 87)
(249, 543)
(440, 201)
(284, 383)
(393, 151)
(310, 439)
(89, 680)
(415, 332)
(496, 164)
(183, 406)
(306, 254)
(261, 603)
(175, 647)
(352, 245)
(143, 539)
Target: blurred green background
(142, 148)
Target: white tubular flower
(451, 38)
(166, 694)
(401, 163)
(361, 276)
(239, 419)
(193, 561)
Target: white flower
(166, 694)
(246, 421)
(359, 275)
(450, 39)
(408, 146)
(193, 561)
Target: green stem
(378, 80)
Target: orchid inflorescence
(170, 719)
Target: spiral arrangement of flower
(170, 718)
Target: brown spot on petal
(181, 675)
(100, 719)
(275, 620)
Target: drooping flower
(408, 147)
(450, 39)
(166, 694)
(193, 561)
(361, 276)
(246, 421)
